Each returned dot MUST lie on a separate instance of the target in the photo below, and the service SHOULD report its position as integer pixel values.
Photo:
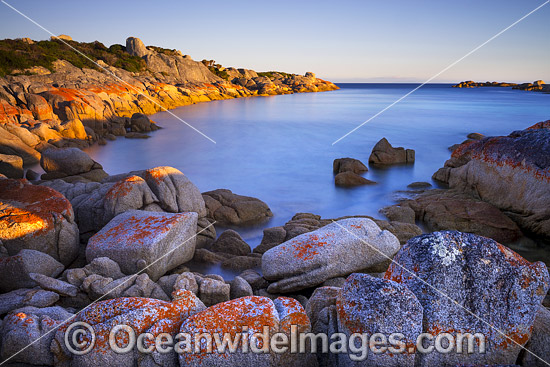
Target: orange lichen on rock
(123, 187)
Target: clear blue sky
(386, 41)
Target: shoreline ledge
(77, 104)
(536, 86)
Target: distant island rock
(537, 85)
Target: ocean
(280, 148)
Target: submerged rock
(137, 240)
(472, 284)
(349, 178)
(37, 218)
(337, 249)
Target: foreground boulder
(16, 269)
(510, 172)
(66, 163)
(37, 218)
(384, 154)
(228, 208)
(28, 332)
(337, 249)
(137, 240)
(371, 305)
(472, 284)
(142, 315)
(242, 318)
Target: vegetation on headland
(17, 54)
(271, 74)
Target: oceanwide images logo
(80, 339)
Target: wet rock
(228, 208)
(371, 305)
(55, 285)
(419, 185)
(467, 282)
(11, 166)
(272, 237)
(28, 333)
(253, 313)
(453, 210)
(384, 154)
(15, 269)
(254, 278)
(141, 123)
(399, 213)
(231, 242)
(213, 291)
(141, 314)
(240, 288)
(26, 297)
(69, 161)
(241, 263)
(134, 135)
(136, 240)
(37, 218)
(348, 165)
(337, 249)
(349, 178)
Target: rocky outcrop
(384, 154)
(228, 208)
(510, 172)
(309, 259)
(537, 85)
(37, 218)
(152, 242)
(468, 283)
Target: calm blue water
(280, 150)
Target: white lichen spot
(447, 254)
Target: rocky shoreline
(80, 245)
(71, 106)
(536, 86)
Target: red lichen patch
(123, 187)
(27, 209)
(291, 312)
(540, 125)
(307, 246)
(114, 89)
(135, 230)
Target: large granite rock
(472, 284)
(68, 161)
(24, 297)
(338, 249)
(348, 165)
(228, 208)
(231, 242)
(510, 172)
(247, 316)
(11, 166)
(384, 154)
(537, 353)
(37, 218)
(137, 240)
(372, 305)
(16, 269)
(136, 47)
(454, 210)
(28, 332)
(142, 315)
(11, 144)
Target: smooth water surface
(279, 149)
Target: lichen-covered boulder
(372, 305)
(510, 172)
(143, 315)
(37, 218)
(338, 249)
(15, 269)
(472, 284)
(240, 319)
(27, 334)
(136, 240)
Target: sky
(342, 41)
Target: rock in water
(510, 172)
(384, 154)
(37, 218)
(70, 161)
(349, 178)
(338, 249)
(371, 305)
(226, 207)
(466, 283)
(137, 239)
(348, 164)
